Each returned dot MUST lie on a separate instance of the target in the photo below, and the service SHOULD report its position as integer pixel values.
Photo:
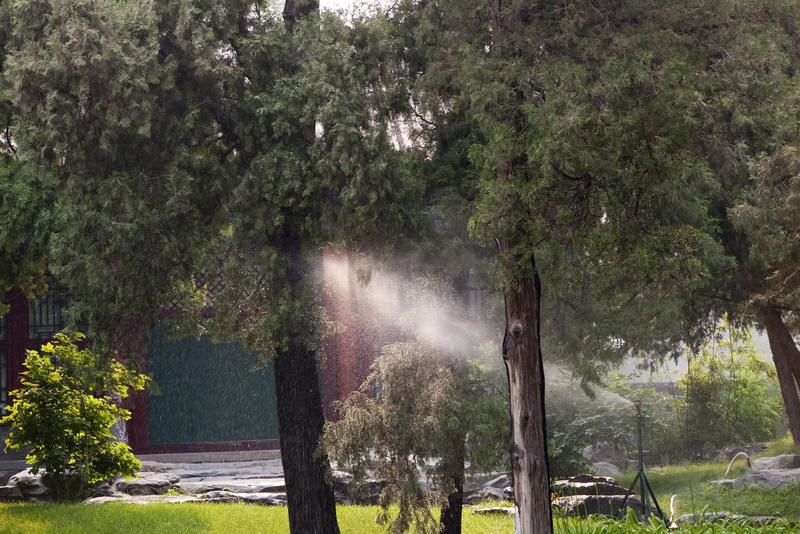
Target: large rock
(268, 499)
(784, 461)
(605, 452)
(495, 487)
(346, 491)
(608, 505)
(236, 485)
(595, 486)
(31, 486)
(585, 495)
(10, 493)
(605, 469)
(147, 483)
(768, 479)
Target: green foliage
(413, 416)
(63, 412)
(729, 395)
(568, 434)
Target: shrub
(419, 414)
(64, 411)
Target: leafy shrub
(728, 396)
(64, 411)
(418, 415)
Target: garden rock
(345, 491)
(608, 505)
(147, 483)
(268, 499)
(584, 495)
(768, 479)
(605, 452)
(10, 493)
(489, 487)
(31, 486)
(784, 461)
(605, 469)
(723, 483)
(587, 485)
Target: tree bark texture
(786, 356)
(523, 358)
(450, 515)
(312, 508)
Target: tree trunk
(787, 361)
(312, 509)
(523, 358)
(450, 515)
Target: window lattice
(3, 379)
(3, 328)
(45, 317)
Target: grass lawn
(115, 518)
(689, 483)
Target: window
(3, 328)
(44, 315)
(3, 380)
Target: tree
(748, 136)
(174, 126)
(420, 412)
(583, 170)
(63, 414)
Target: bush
(419, 414)
(64, 411)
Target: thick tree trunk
(312, 509)
(787, 364)
(450, 516)
(523, 358)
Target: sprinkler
(644, 485)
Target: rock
(565, 487)
(503, 510)
(31, 486)
(269, 499)
(10, 493)
(346, 491)
(147, 483)
(605, 452)
(784, 461)
(724, 483)
(495, 486)
(586, 494)
(236, 485)
(768, 479)
(605, 468)
(608, 505)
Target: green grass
(689, 483)
(116, 518)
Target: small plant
(64, 411)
